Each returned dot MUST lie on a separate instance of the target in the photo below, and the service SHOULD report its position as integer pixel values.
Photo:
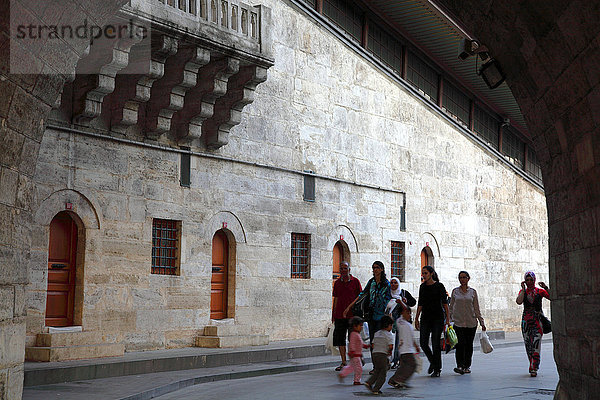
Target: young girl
(355, 347)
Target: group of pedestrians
(388, 308)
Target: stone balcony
(184, 84)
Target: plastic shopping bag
(451, 336)
(329, 342)
(486, 346)
(418, 363)
(364, 334)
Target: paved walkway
(501, 374)
(505, 369)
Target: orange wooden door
(423, 258)
(338, 253)
(61, 271)
(218, 283)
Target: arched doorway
(220, 274)
(427, 257)
(62, 257)
(340, 253)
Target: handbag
(418, 363)
(484, 341)
(546, 324)
(359, 309)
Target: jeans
(434, 329)
(464, 347)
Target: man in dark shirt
(345, 289)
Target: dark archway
(550, 52)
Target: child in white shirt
(408, 348)
(383, 343)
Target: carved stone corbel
(228, 108)
(199, 101)
(168, 93)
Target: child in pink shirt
(355, 347)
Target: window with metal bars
(533, 166)
(398, 264)
(513, 148)
(486, 126)
(385, 47)
(456, 102)
(421, 75)
(165, 246)
(346, 15)
(300, 255)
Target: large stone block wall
(322, 108)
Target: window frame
(300, 263)
(169, 263)
(398, 260)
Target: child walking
(355, 346)
(383, 344)
(408, 348)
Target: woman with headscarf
(378, 292)
(400, 299)
(531, 327)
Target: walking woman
(378, 292)
(400, 299)
(433, 302)
(464, 312)
(531, 327)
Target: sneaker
(398, 385)
(459, 370)
(533, 374)
(435, 374)
(394, 365)
(467, 370)
(357, 383)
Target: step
(145, 362)
(74, 352)
(232, 341)
(69, 339)
(231, 330)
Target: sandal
(339, 368)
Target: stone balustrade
(185, 83)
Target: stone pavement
(267, 369)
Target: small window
(300, 255)
(486, 127)
(385, 47)
(309, 187)
(398, 266)
(422, 76)
(456, 102)
(346, 15)
(166, 236)
(513, 148)
(533, 165)
(185, 168)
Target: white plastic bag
(486, 346)
(418, 363)
(329, 342)
(364, 334)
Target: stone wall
(322, 108)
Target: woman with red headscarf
(531, 327)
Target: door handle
(58, 266)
